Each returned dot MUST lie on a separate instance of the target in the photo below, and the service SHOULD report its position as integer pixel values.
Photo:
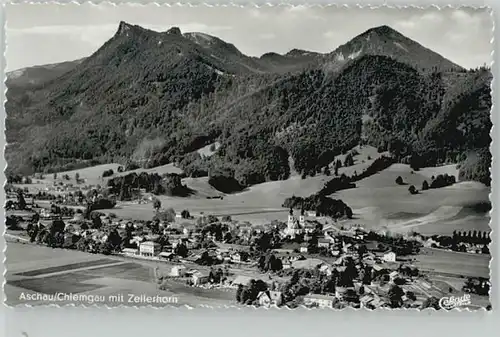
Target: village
(306, 259)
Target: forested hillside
(154, 98)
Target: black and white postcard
(274, 156)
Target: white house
(276, 297)
(326, 269)
(149, 248)
(236, 257)
(322, 301)
(286, 264)
(166, 255)
(178, 271)
(340, 292)
(264, 299)
(323, 243)
(389, 257)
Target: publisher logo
(452, 302)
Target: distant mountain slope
(161, 96)
(33, 76)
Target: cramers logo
(449, 303)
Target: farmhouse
(149, 248)
(200, 278)
(323, 243)
(236, 257)
(340, 292)
(264, 299)
(389, 257)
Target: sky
(49, 33)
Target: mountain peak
(300, 52)
(125, 28)
(382, 31)
(386, 41)
(174, 31)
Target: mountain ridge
(163, 95)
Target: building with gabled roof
(322, 301)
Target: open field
(377, 201)
(35, 269)
(454, 263)
(93, 174)
(258, 204)
(164, 169)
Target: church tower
(302, 219)
(290, 218)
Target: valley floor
(377, 203)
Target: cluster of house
(341, 244)
(469, 247)
(154, 250)
(197, 277)
(63, 187)
(373, 295)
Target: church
(295, 226)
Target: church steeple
(293, 226)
